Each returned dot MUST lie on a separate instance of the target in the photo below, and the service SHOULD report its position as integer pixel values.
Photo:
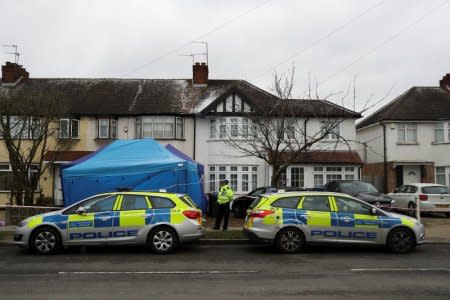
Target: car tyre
(162, 240)
(290, 240)
(401, 240)
(45, 241)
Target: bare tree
(278, 131)
(28, 128)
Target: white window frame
(402, 133)
(33, 169)
(332, 133)
(229, 127)
(160, 127)
(335, 172)
(111, 126)
(235, 174)
(444, 128)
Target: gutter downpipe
(385, 158)
(195, 135)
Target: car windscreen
(356, 187)
(435, 190)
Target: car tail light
(192, 214)
(423, 197)
(260, 213)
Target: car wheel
(290, 240)
(162, 240)
(45, 241)
(411, 211)
(401, 240)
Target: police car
(159, 220)
(290, 220)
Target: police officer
(223, 199)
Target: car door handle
(346, 219)
(104, 218)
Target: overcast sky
(388, 45)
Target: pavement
(198, 271)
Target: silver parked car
(430, 196)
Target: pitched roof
(169, 96)
(416, 104)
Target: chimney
(12, 73)
(200, 74)
(445, 83)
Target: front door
(411, 174)
(95, 224)
(355, 222)
(316, 211)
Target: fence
(13, 214)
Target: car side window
(402, 189)
(95, 202)
(288, 202)
(134, 202)
(411, 189)
(352, 206)
(317, 203)
(161, 202)
(257, 192)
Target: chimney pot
(200, 74)
(445, 82)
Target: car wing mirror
(373, 211)
(81, 210)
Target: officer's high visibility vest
(225, 195)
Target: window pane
(234, 182)
(180, 128)
(212, 129)
(318, 180)
(74, 128)
(99, 205)
(317, 203)
(160, 202)
(64, 128)
(401, 135)
(113, 129)
(411, 135)
(133, 202)
(254, 181)
(245, 182)
(6, 181)
(288, 202)
(297, 177)
(234, 127)
(103, 128)
(212, 182)
(351, 206)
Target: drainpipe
(195, 135)
(304, 129)
(385, 158)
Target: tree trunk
(277, 172)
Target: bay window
(222, 128)
(243, 178)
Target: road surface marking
(402, 270)
(155, 272)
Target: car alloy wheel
(290, 240)
(163, 240)
(45, 241)
(401, 240)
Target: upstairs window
(407, 133)
(331, 130)
(440, 130)
(69, 128)
(21, 127)
(164, 127)
(107, 128)
(235, 127)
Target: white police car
(159, 220)
(290, 220)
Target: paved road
(225, 272)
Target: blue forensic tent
(138, 165)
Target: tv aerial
(204, 54)
(15, 53)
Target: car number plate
(442, 206)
